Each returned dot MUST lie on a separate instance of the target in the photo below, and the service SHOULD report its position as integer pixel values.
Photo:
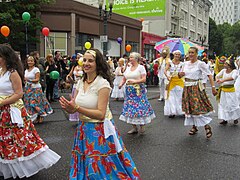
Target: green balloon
(26, 16)
(54, 75)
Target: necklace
(89, 82)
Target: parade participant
(98, 150)
(163, 60)
(35, 102)
(22, 152)
(116, 92)
(195, 103)
(219, 64)
(237, 83)
(77, 74)
(173, 102)
(228, 104)
(136, 108)
(50, 66)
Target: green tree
(11, 16)
(215, 37)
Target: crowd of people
(98, 150)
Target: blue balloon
(119, 40)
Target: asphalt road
(166, 151)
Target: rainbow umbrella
(178, 44)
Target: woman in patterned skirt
(195, 102)
(136, 108)
(34, 100)
(22, 152)
(98, 151)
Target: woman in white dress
(173, 102)
(228, 106)
(195, 102)
(22, 152)
(116, 92)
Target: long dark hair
(103, 69)
(12, 60)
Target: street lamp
(104, 14)
(26, 17)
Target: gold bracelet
(76, 108)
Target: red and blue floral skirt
(94, 157)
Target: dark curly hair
(12, 60)
(103, 69)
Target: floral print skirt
(195, 102)
(22, 152)
(136, 107)
(36, 103)
(94, 157)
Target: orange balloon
(141, 19)
(5, 31)
(128, 48)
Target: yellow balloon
(80, 62)
(88, 45)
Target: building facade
(72, 23)
(225, 11)
(183, 18)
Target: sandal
(193, 130)
(40, 120)
(208, 131)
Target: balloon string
(49, 46)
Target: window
(199, 10)
(205, 26)
(184, 14)
(80, 42)
(193, 4)
(199, 24)
(192, 35)
(183, 32)
(174, 9)
(56, 41)
(192, 20)
(173, 28)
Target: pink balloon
(45, 31)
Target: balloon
(26, 16)
(80, 62)
(45, 31)
(5, 31)
(141, 19)
(119, 40)
(54, 75)
(204, 54)
(88, 45)
(128, 48)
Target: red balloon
(45, 31)
(128, 48)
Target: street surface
(165, 152)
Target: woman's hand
(214, 91)
(219, 81)
(69, 106)
(131, 81)
(168, 78)
(181, 74)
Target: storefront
(148, 42)
(72, 24)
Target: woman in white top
(228, 106)
(23, 152)
(116, 92)
(34, 99)
(136, 108)
(195, 102)
(98, 151)
(77, 74)
(173, 101)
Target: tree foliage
(224, 39)
(11, 16)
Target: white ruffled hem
(137, 121)
(197, 120)
(30, 165)
(228, 115)
(34, 116)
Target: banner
(139, 8)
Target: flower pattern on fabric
(195, 102)
(35, 101)
(94, 157)
(17, 142)
(136, 106)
